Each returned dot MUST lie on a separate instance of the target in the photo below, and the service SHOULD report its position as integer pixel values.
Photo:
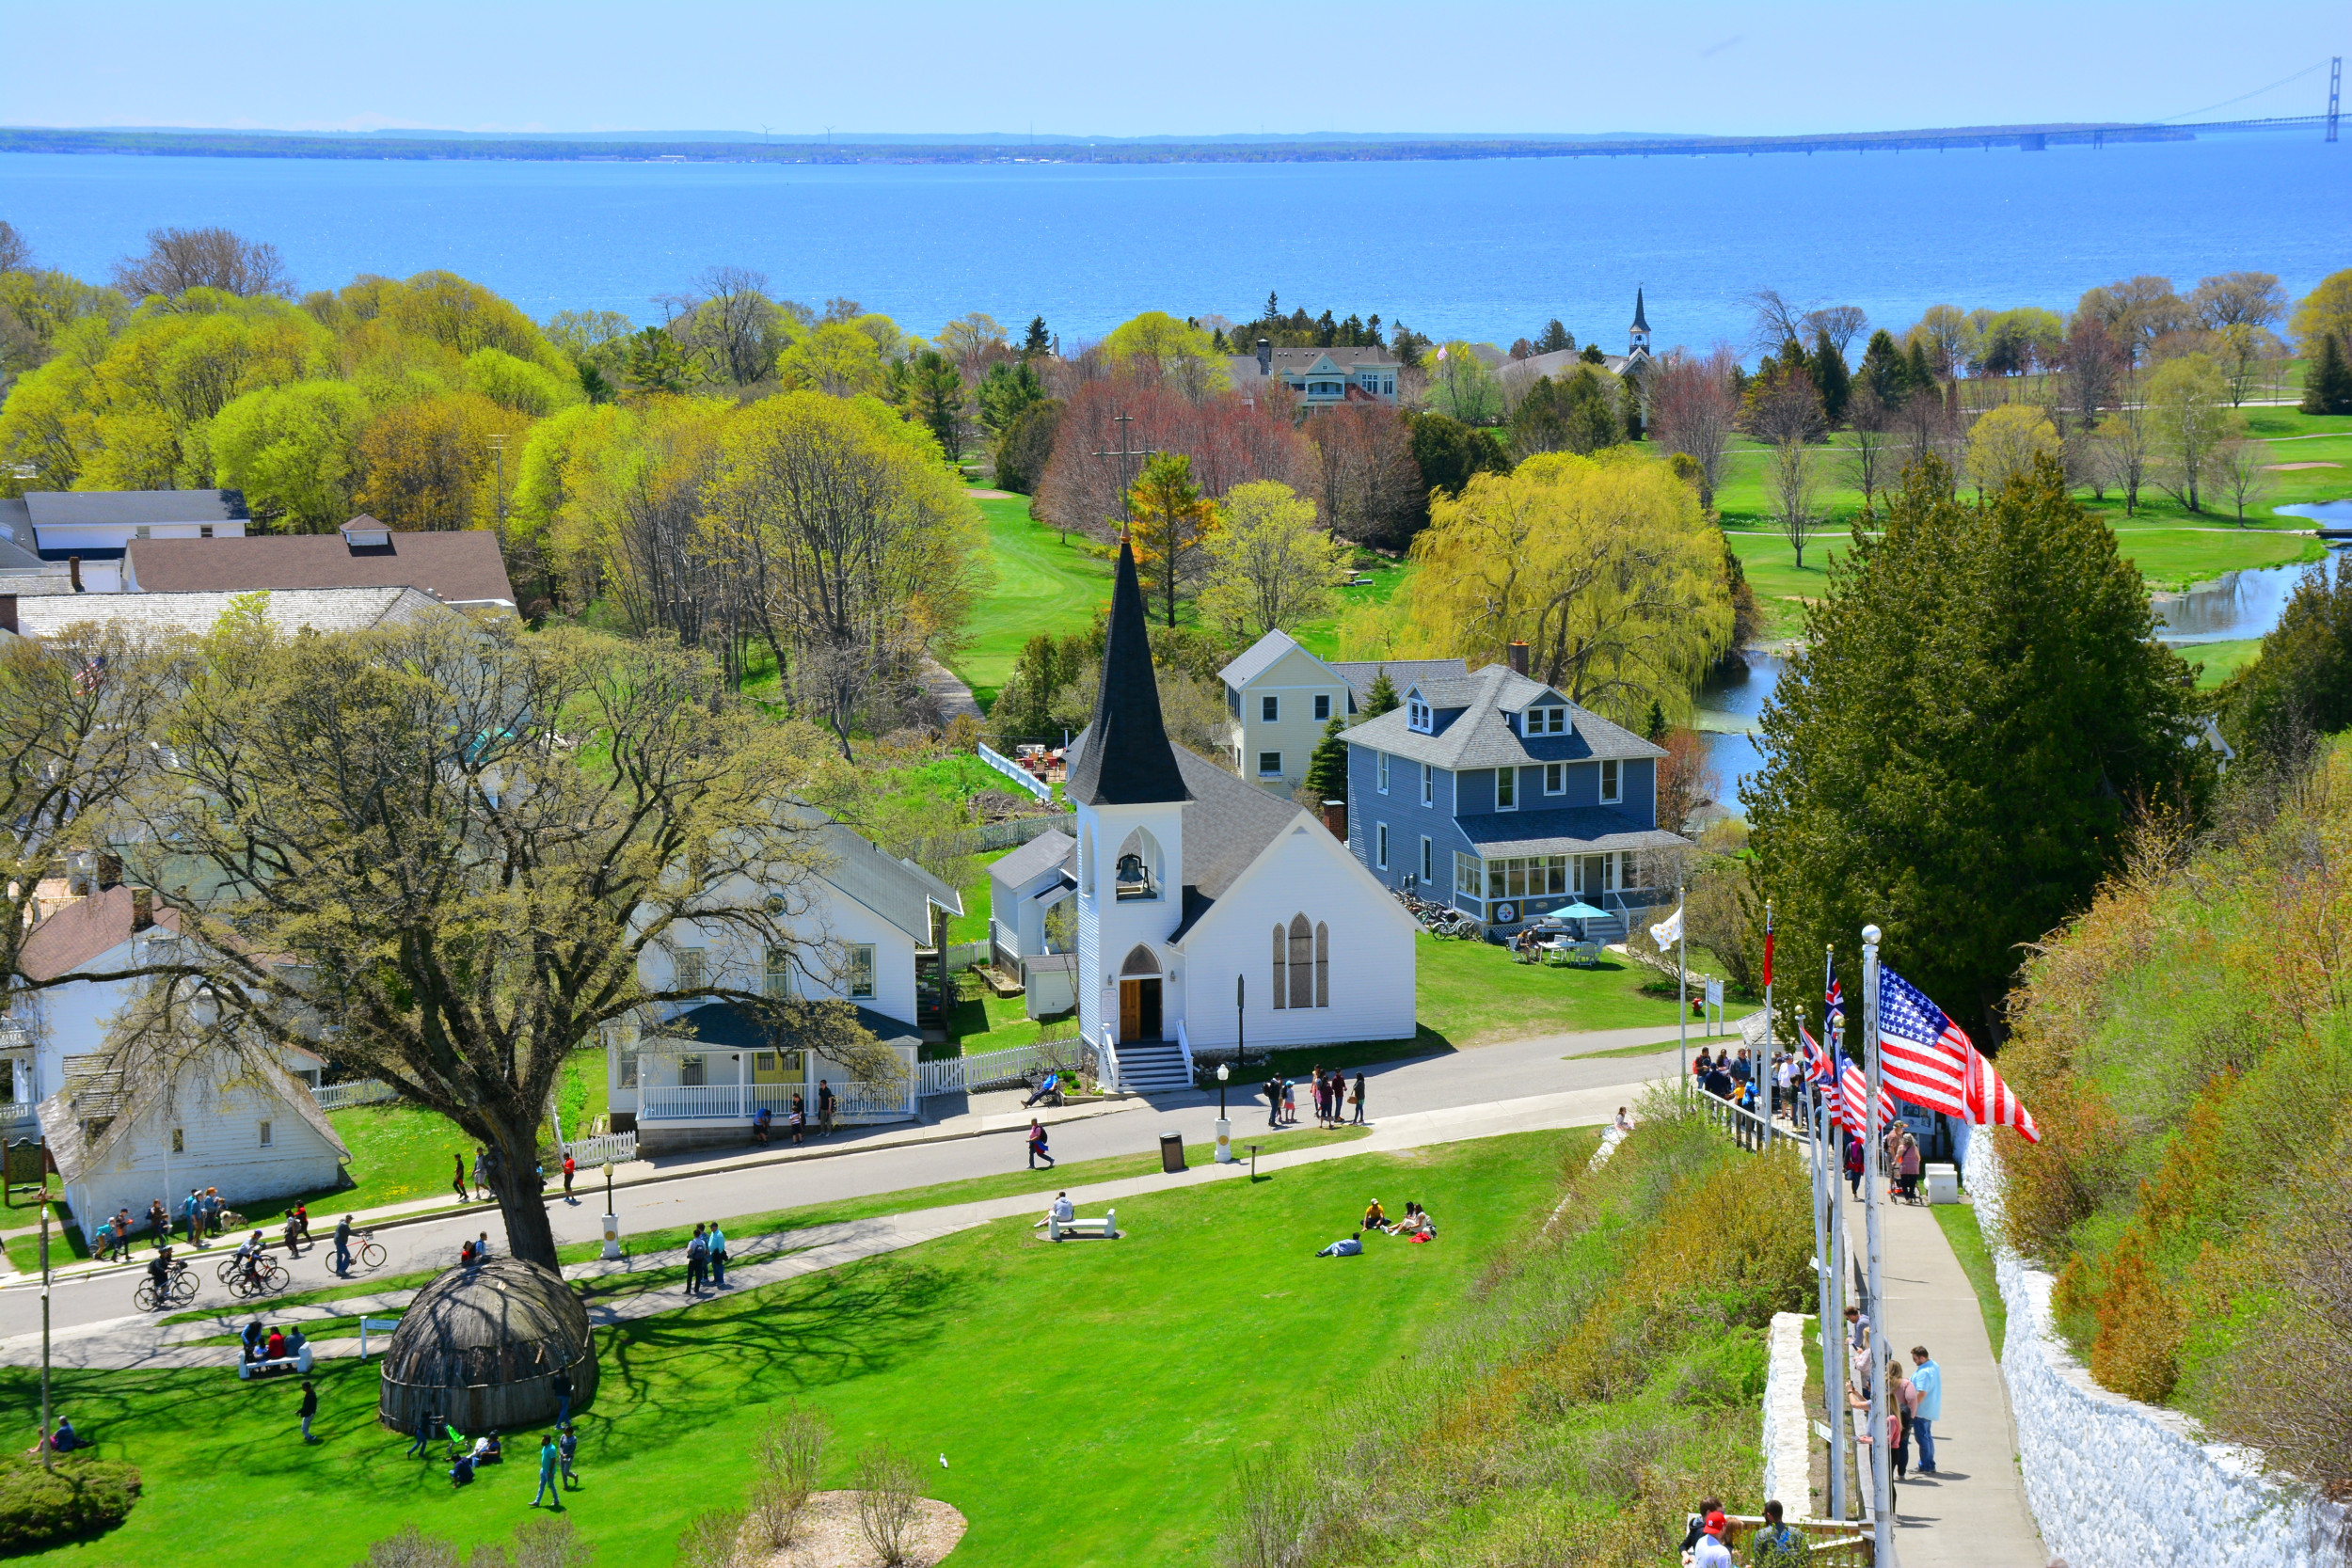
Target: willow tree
(1603, 566)
(447, 847)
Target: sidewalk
(143, 1341)
(1000, 1112)
(1972, 1512)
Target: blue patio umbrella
(1580, 911)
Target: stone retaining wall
(2115, 1484)
(1787, 1424)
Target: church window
(1139, 961)
(1323, 965)
(1302, 964)
(1137, 868)
(1281, 967)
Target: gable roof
(1135, 765)
(1482, 737)
(18, 550)
(1360, 674)
(899, 891)
(319, 609)
(462, 567)
(1259, 657)
(83, 930)
(101, 1098)
(132, 508)
(1043, 853)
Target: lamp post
(1224, 1124)
(612, 1220)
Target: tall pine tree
(1327, 771)
(1829, 375)
(1382, 695)
(2327, 382)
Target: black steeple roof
(1127, 760)
(1641, 323)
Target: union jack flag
(1818, 1068)
(1834, 997)
(1924, 1057)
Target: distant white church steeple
(1637, 339)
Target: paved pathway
(1972, 1512)
(141, 1341)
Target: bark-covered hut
(480, 1348)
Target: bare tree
(1843, 322)
(732, 322)
(1367, 481)
(2238, 299)
(1786, 416)
(2241, 471)
(177, 260)
(16, 252)
(1870, 455)
(1693, 411)
(2093, 365)
(788, 1452)
(1777, 321)
(2126, 450)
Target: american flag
(87, 677)
(1853, 1095)
(1924, 1057)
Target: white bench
(1107, 1227)
(298, 1362)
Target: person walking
(561, 1387)
(342, 1245)
(825, 1104)
(697, 1260)
(717, 1243)
(569, 1450)
(158, 1223)
(309, 1408)
(481, 1159)
(1037, 1144)
(1274, 1100)
(1358, 1098)
(1289, 1101)
(1853, 1163)
(1927, 1405)
(568, 1168)
(457, 1178)
(547, 1459)
(427, 1424)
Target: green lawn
(1093, 1400)
(1474, 993)
(2217, 661)
(971, 925)
(1959, 1221)
(1043, 585)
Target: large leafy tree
(1268, 565)
(449, 847)
(1172, 520)
(1977, 709)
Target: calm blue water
(1485, 249)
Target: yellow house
(1278, 697)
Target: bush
(889, 1506)
(789, 1451)
(80, 1497)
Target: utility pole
(1882, 1478)
(1125, 453)
(48, 1449)
(498, 454)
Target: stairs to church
(1152, 1066)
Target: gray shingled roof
(1041, 854)
(899, 891)
(1480, 735)
(461, 565)
(1295, 360)
(57, 508)
(17, 548)
(1258, 658)
(320, 609)
(1227, 823)
(1570, 831)
(1402, 672)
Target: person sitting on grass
(461, 1473)
(62, 1440)
(487, 1449)
(1416, 1226)
(1374, 1218)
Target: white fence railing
(1110, 1071)
(854, 1102)
(19, 1121)
(368, 1091)
(998, 1068)
(619, 1148)
(1017, 773)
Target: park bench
(298, 1362)
(1107, 1227)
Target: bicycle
(267, 1278)
(177, 1291)
(369, 1252)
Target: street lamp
(612, 1221)
(1224, 1123)
(1222, 1074)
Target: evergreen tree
(1008, 389)
(1351, 332)
(1657, 730)
(1883, 369)
(1216, 340)
(1917, 373)
(1593, 356)
(1036, 341)
(1556, 338)
(1272, 307)
(2327, 382)
(1372, 331)
(1327, 769)
(935, 400)
(1978, 701)
(1829, 374)
(1382, 695)
(1327, 331)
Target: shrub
(789, 1450)
(80, 1497)
(888, 1506)
(714, 1539)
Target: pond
(2241, 604)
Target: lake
(1484, 248)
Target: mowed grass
(1091, 1398)
(1043, 585)
(1474, 993)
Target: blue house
(1494, 793)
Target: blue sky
(1284, 66)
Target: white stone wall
(2115, 1484)
(1788, 1425)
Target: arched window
(1139, 961)
(1323, 965)
(1138, 866)
(1302, 964)
(1281, 955)
(1086, 862)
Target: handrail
(1748, 1130)
(1111, 1062)
(1183, 1043)
(1014, 771)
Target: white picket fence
(367, 1091)
(1017, 773)
(997, 1068)
(587, 1153)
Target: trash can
(1171, 1152)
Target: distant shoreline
(212, 144)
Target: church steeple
(1638, 339)
(1127, 760)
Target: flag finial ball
(1871, 935)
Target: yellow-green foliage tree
(2325, 312)
(1269, 566)
(1159, 347)
(2004, 443)
(1603, 566)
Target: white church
(1208, 909)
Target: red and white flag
(1853, 1095)
(1924, 1057)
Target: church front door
(1139, 1009)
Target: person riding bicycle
(159, 1270)
(250, 1258)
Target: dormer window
(1547, 721)
(364, 532)
(1416, 714)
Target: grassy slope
(1092, 1399)
(1042, 584)
(1473, 993)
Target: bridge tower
(2335, 91)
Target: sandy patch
(2285, 467)
(830, 1537)
(1007, 495)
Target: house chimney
(142, 908)
(109, 872)
(1335, 819)
(1266, 357)
(73, 571)
(8, 612)
(1517, 654)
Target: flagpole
(1759, 1071)
(1834, 1322)
(1882, 1478)
(1682, 984)
(1811, 1097)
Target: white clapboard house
(683, 1077)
